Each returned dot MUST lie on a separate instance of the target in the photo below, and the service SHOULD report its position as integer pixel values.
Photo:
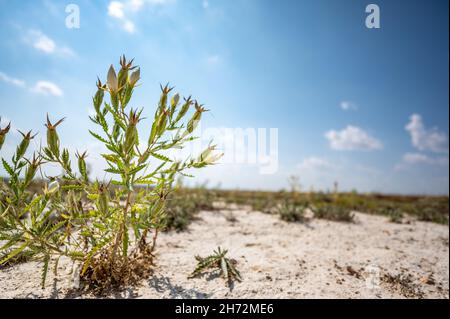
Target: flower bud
(209, 156)
(174, 103)
(135, 77)
(103, 199)
(98, 98)
(193, 122)
(184, 109)
(23, 146)
(163, 100)
(112, 81)
(3, 133)
(162, 123)
(122, 78)
(82, 165)
(52, 136)
(31, 169)
(131, 134)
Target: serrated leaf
(14, 253)
(113, 171)
(8, 168)
(161, 157)
(72, 187)
(101, 139)
(137, 169)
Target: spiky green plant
(334, 213)
(292, 212)
(219, 262)
(109, 227)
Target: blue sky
(368, 108)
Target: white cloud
(47, 88)
(352, 138)
(348, 106)
(121, 11)
(136, 5)
(314, 163)
(426, 139)
(6, 78)
(41, 87)
(410, 159)
(129, 26)
(115, 9)
(416, 158)
(44, 43)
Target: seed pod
(82, 165)
(122, 78)
(31, 169)
(163, 100)
(184, 109)
(193, 122)
(130, 138)
(174, 104)
(153, 132)
(23, 146)
(162, 123)
(98, 98)
(131, 134)
(103, 199)
(3, 133)
(52, 136)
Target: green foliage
(110, 228)
(292, 212)
(180, 211)
(394, 214)
(219, 262)
(332, 212)
(424, 208)
(183, 205)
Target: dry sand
(371, 258)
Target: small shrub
(334, 213)
(262, 205)
(292, 212)
(180, 211)
(184, 204)
(219, 262)
(395, 215)
(431, 210)
(110, 227)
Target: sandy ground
(371, 258)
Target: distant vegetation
(290, 206)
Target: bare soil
(371, 258)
